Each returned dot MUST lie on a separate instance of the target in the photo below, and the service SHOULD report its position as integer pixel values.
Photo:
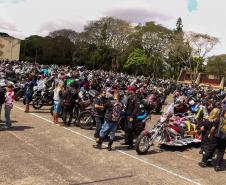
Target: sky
(22, 18)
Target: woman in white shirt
(57, 97)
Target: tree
(1, 52)
(66, 33)
(179, 25)
(180, 52)
(110, 32)
(217, 65)
(154, 40)
(136, 60)
(47, 50)
(201, 45)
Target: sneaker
(129, 147)
(109, 148)
(98, 146)
(217, 168)
(202, 164)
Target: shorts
(57, 108)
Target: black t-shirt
(99, 101)
(132, 106)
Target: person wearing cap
(9, 100)
(130, 111)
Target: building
(185, 77)
(207, 80)
(203, 79)
(9, 47)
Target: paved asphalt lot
(36, 151)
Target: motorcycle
(46, 98)
(168, 132)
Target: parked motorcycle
(165, 132)
(45, 98)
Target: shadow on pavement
(13, 121)
(124, 148)
(41, 111)
(16, 128)
(104, 180)
(179, 148)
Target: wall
(9, 48)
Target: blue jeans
(98, 121)
(8, 109)
(108, 127)
(57, 107)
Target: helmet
(70, 83)
(191, 102)
(131, 88)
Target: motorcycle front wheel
(37, 103)
(18, 95)
(143, 143)
(86, 120)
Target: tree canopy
(114, 44)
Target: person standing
(99, 112)
(2, 101)
(69, 96)
(111, 118)
(57, 97)
(207, 125)
(217, 138)
(9, 100)
(131, 111)
(28, 97)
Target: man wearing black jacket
(131, 111)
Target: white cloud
(27, 17)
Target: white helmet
(191, 102)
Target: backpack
(116, 112)
(70, 97)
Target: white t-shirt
(9, 98)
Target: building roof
(6, 35)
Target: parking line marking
(122, 152)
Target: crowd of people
(116, 94)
